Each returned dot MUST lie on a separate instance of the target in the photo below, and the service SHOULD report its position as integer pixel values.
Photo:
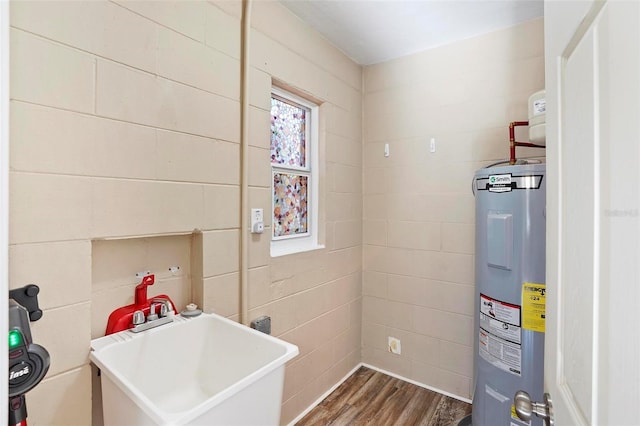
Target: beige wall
(418, 207)
(125, 156)
(313, 298)
(125, 126)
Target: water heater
(510, 291)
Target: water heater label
(500, 334)
(501, 311)
(533, 306)
(500, 183)
(508, 182)
(500, 329)
(500, 353)
(539, 107)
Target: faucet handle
(166, 308)
(152, 312)
(138, 318)
(163, 310)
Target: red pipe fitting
(141, 289)
(512, 139)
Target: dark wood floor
(369, 397)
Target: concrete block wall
(314, 298)
(125, 128)
(418, 279)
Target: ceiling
(373, 31)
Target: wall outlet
(394, 345)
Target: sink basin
(206, 370)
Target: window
(294, 165)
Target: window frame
(289, 244)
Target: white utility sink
(206, 370)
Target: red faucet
(122, 318)
(141, 289)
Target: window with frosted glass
(288, 134)
(290, 208)
(290, 168)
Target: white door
(592, 345)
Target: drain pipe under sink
(244, 162)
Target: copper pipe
(512, 140)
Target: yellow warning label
(514, 416)
(533, 306)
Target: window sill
(278, 250)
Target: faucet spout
(141, 289)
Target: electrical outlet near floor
(394, 345)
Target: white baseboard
(422, 385)
(388, 373)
